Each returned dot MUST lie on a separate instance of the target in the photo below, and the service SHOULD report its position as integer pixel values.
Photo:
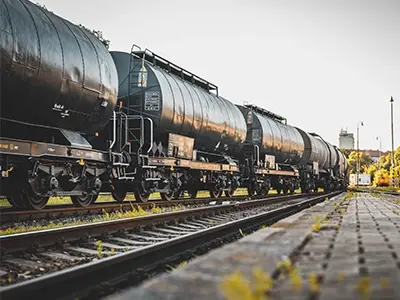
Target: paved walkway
(345, 248)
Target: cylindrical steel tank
(178, 106)
(53, 72)
(318, 150)
(334, 159)
(274, 138)
(342, 162)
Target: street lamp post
(358, 150)
(391, 118)
(380, 145)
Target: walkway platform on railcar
(347, 247)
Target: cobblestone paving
(346, 248)
(358, 259)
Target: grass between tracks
(108, 216)
(129, 197)
(104, 217)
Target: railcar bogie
(32, 172)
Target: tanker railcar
(323, 165)
(272, 151)
(195, 134)
(279, 156)
(58, 88)
(78, 119)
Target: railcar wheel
(167, 196)
(141, 195)
(192, 193)
(215, 194)
(285, 190)
(16, 201)
(119, 195)
(31, 201)
(263, 190)
(83, 201)
(177, 194)
(291, 189)
(251, 190)
(230, 193)
(36, 202)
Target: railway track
(9, 215)
(92, 260)
(372, 190)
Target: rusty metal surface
(180, 146)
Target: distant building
(363, 179)
(346, 140)
(374, 154)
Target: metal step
(121, 164)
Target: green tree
(365, 162)
(382, 171)
(381, 178)
(385, 161)
(372, 169)
(397, 156)
(346, 152)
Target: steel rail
(361, 190)
(102, 275)
(64, 210)
(22, 241)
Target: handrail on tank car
(142, 139)
(142, 128)
(135, 46)
(266, 113)
(125, 116)
(114, 119)
(153, 58)
(257, 154)
(151, 134)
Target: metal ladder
(129, 127)
(133, 81)
(123, 138)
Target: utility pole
(358, 150)
(380, 145)
(391, 118)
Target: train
(78, 119)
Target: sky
(323, 65)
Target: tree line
(380, 171)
